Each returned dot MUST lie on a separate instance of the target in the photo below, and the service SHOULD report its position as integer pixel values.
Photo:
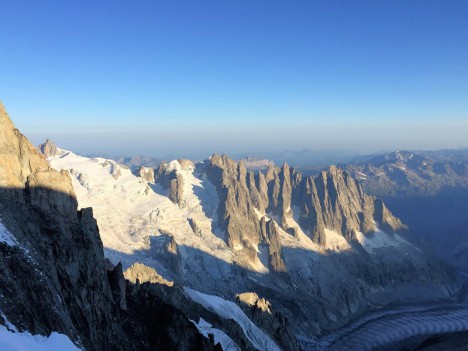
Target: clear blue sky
(186, 77)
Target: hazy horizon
(191, 79)
(318, 156)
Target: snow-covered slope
(229, 310)
(219, 336)
(5, 236)
(131, 212)
(13, 340)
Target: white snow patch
(260, 215)
(6, 237)
(362, 176)
(302, 241)
(229, 310)
(174, 166)
(262, 265)
(220, 337)
(9, 326)
(11, 340)
(302, 238)
(335, 241)
(59, 153)
(379, 239)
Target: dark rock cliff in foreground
(53, 275)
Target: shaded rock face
(54, 276)
(172, 181)
(171, 329)
(195, 227)
(176, 190)
(165, 249)
(426, 189)
(270, 236)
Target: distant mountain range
(428, 190)
(302, 159)
(405, 173)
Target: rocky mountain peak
(146, 173)
(23, 167)
(49, 149)
(4, 118)
(399, 156)
(333, 200)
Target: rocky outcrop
(165, 249)
(50, 150)
(195, 227)
(235, 210)
(176, 190)
(252, 300)
(163, 326)
(427, 189)
(261, 312)
(38, 205)
(139, 273)
(145, 173)
(171, 180)
(271, 237)
(334, 200)
(114, 168)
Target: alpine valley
(216, 255)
